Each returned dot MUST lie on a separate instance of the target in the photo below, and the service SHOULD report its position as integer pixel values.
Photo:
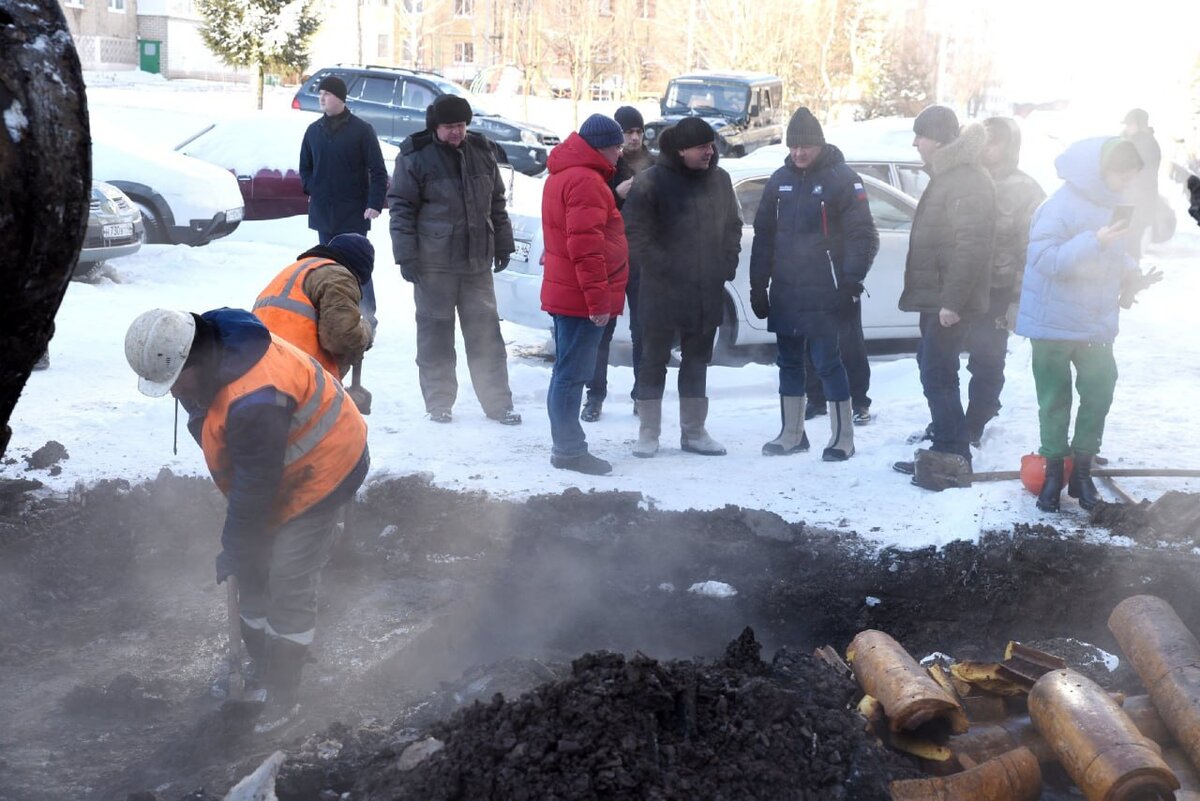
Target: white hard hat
(157, 346)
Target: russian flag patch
(860, 190)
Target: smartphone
(1121, 216)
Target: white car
(518, 288)
(183, 200)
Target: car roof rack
(389, 68)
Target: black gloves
(501, 261)
(759, 302)
(410, 273)
(224, 566)
(848, 295)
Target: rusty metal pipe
(911, 699)
(1097, 743)
(1166, 657)
(1014, 776)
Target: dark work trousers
(937, 359)
(696, 350)
(437, 295)
(987, 346)
(597, 388)
(853, 347)
(366, 306)
(278, 591)
(793, 352)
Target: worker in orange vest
(314, 303)
(287, 450)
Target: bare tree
(416, 23)
(579, 35)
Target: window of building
(464, 8)
(73, 3)
(464, 52)
(384, 49)
(116, 5)
(646, 9)
(414, 6)
(605, 7)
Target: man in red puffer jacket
(583, 282)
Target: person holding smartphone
(1078, 275)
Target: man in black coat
(947, 276)
(1144, 192)
(450, 230)
(635, 159)
(342, 172)
(681, 219)
(814, 241)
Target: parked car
(114, 227)
(182, 200)
(263, 151)
(744, 108)
(518, 289)
(394, 100)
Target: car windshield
(451, 88)
(695, 97)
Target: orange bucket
(1033, 471)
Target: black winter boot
(1080, 485)
(285, 662)
(255, 641)
(1052, 486)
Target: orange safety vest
(287, 312)
(325, 440)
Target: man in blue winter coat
(342, 172)
(814, 241)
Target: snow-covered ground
(88, 399)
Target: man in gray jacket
(450, 230)
(947, 278)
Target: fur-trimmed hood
(966, 149)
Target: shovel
(358, 393)
(237, 682)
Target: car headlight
(650, 133)
(529, 137)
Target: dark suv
(744, 108)
(394, 100)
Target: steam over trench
(113, 630)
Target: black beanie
(334, 85)
(690, 132)
(804, 130)
(448, 110)
(629, 118)
(937, 123)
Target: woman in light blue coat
(1077, 276)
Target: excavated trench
(635, 686)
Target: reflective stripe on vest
(287, 312)
(326, 435)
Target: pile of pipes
(986, 731)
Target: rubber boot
(841, 427)
(1080, 485)
(693, 437)
(792, 438)
(650, 427)
(255, 641)
(285, 662)
(1052, 485)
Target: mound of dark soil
(637, 728)
(1173, 518)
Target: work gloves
(224, 566)
(848, 295)
(759, 302)
(501, 261)
(410, 273)
(1133, 284)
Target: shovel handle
(235, 637)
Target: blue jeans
(938, 361)
(826, 358)
(576, 340)
(987, 344)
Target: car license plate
(234, 215)
(522, 251)
(117, 230)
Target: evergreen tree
(265, 35)
(903, 84)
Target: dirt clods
(1174, 518)
(47, 457)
